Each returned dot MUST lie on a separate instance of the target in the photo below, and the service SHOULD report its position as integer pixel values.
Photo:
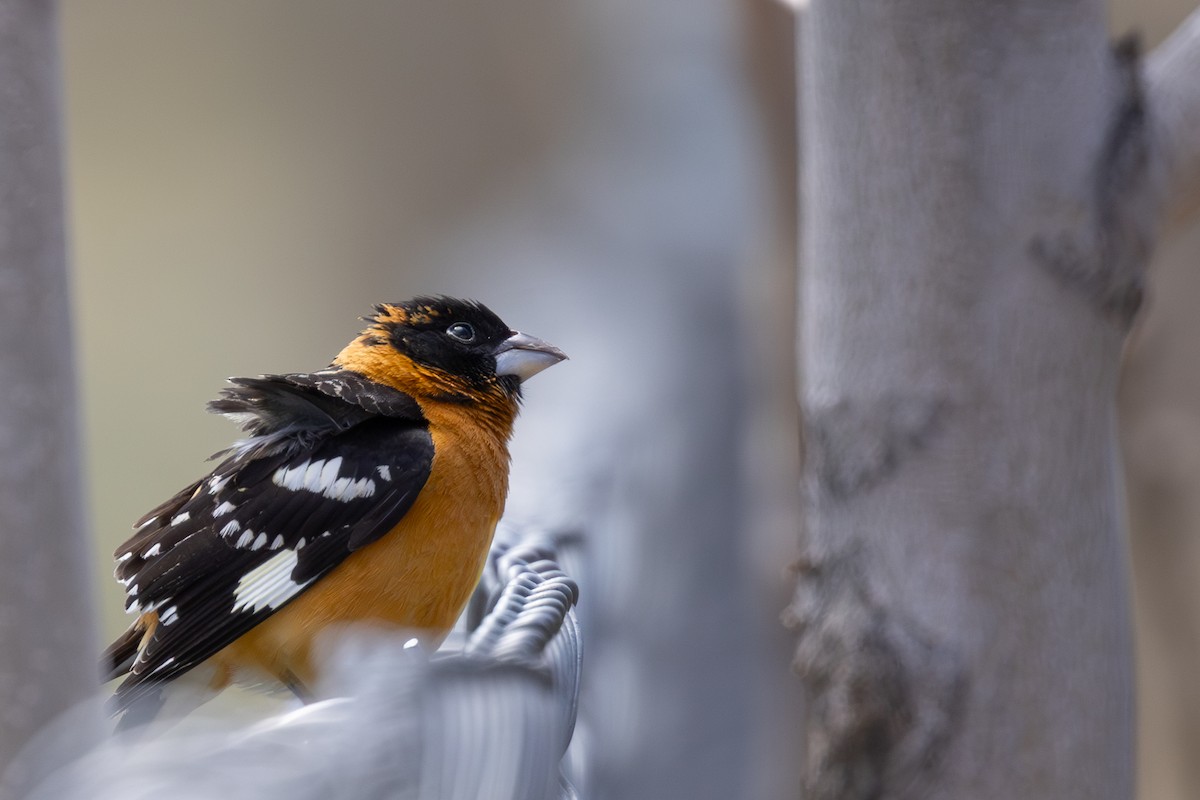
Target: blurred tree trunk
(981, 194)
(46, 641)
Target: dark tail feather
(118, 657)
(138, 712)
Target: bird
(367, 491)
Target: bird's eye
(462, 331)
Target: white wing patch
(321, 477)
(349, 489)
(269, 585)
(318, 478)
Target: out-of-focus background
(246, 178)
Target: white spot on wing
(346, 489)
(121, 559)
(312, 475)
(291, 478)
(277, 542)
(169, 615)
(134, 607)
(231, 527)
(260, 542)
(179, 519)
(163, 665)
(217, 484)
(321, 477)
(329, 475)
(245, 539)
(223, 509)
(269, 585)
(153, 551)
(385, 472)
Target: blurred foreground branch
(490, 716)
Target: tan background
(247, 177)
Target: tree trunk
(980, 198)
(47, 647)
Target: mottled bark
(977, 222)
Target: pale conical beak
(524, 356)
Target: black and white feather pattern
(333, 461)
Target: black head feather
(455, 336)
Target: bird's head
(447, 348)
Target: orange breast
(418, 576)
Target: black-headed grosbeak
(367, 491)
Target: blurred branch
(1173, 86)
(491, 718)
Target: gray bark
(976, 224)
(46, 629)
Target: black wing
(293, 412)
(320, 477)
